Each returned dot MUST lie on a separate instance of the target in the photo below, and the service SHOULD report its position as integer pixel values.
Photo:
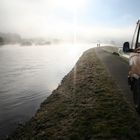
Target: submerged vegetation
(86, 105)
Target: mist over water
(27, 77)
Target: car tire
(136, 95)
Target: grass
(86, 106)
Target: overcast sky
(94, 19)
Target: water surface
(27, 77)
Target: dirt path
(118, 69)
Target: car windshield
(138, 43)
(136, 37)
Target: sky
(75, 19)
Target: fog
(62, 19)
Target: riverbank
(86, 105)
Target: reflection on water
(27, 77)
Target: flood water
(28, 75)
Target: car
(134, 65)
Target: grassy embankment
(87, 105)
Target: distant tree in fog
(1, 41)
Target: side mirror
(126, 47)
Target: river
(28, 75)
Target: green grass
(86, 106)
